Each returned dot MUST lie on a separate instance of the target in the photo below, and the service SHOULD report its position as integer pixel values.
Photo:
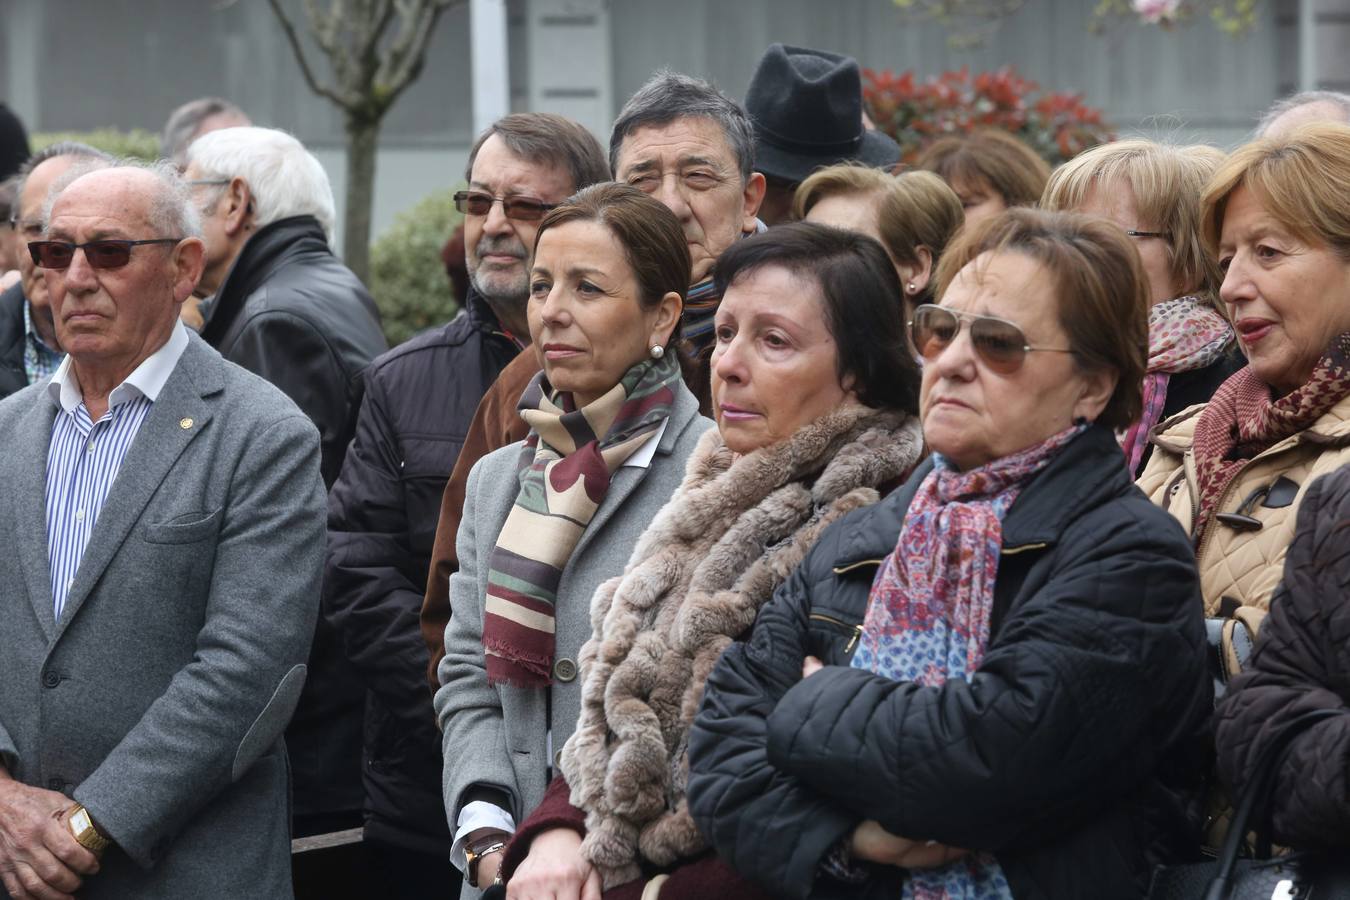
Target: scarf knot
(928, 614)
(1242, 421)
(566, 465)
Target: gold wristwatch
(85, 832)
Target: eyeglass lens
(520, 208)
(1000, 344)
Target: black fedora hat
(807, 109)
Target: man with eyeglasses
(29, 349)
(418, 403)
(163, 524)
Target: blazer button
(55, 784)
(565, 669)
(51, 680)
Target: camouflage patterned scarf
(565, 469)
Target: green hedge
(137, 143)
(407, 276)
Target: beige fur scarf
(732, 533)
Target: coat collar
(265, 252)
(626, 480)
(1332, 428)
(183, 410)
(1089, 470)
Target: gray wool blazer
(159, 698)
(495, 735)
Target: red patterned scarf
(565, 469)
(1183, 335)
(1242, 421)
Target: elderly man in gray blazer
(163, 519)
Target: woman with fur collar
(815, 394)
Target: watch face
(79, 821)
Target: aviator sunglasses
(998, 343)
(522, 209)
(111, 254)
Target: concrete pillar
(491, 73)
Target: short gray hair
(285, 179)
(171, 213)
(1303, 98)
(74, 149)
(668, 96)
(186, 120)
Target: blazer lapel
(174, 421)
(30, 506)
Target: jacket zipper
(1013, 551)
(840, 570)
(857, 629)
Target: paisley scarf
(1183, 335)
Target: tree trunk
(362, 140)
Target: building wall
(76, 64)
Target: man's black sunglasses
(111, 254)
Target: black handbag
(1303, 875)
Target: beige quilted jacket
(1243, 565)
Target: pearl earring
(911, 288)
(658, 351)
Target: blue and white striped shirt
(84, 457)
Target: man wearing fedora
(807, 110)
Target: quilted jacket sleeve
(1298, 666)
(766, 824)
(373, 576)
(1089, 681)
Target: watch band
(480, 848)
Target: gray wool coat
(159, 698)
(495, 736)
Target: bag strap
(1258, 791)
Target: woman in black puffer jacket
(1014, 695)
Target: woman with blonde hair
(1152, 191)
(990, 170)
(1235, 471)
(913, 215)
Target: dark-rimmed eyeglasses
(522, 209)
(1165, 235)
(1000, 344)
(108, 254)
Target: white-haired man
(163, 523)
(287, 309)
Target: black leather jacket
(290, 311)
(1066, 755)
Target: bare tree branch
(294, 39)
(404, 63)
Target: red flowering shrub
(1056, 125)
